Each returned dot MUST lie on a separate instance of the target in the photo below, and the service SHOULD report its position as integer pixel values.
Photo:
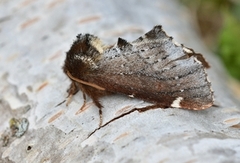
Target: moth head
(84, 54)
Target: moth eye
(142, 50)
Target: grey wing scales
(155, 69)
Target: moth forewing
(153, 68)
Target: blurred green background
(219, 22)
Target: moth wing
(157, 70)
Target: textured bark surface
(34, 38)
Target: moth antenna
(85, 83)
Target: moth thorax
(97, 44)
(90, 61)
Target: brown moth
(152, 68)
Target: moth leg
(94, 94)
(84, 102)
(97, 103)
(84, 98)
(100, 116)
(73, 89)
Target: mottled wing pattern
(156, 69)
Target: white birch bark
(34, 38)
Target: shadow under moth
(152, 68)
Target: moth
(153, 68)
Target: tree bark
(34, 38)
